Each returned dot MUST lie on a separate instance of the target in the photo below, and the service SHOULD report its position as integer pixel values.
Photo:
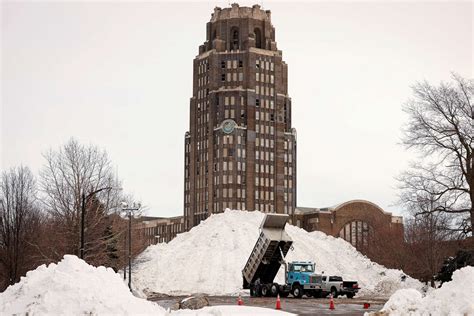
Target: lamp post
(85, 199)
(129, 210)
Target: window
(223, 77)
(223, 64)
(235, 39)
(241, 64)
(257, 102)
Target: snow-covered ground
(72, 287)
(453, 298)
(210, 257)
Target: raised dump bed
(268, 253)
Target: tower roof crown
(236, 11)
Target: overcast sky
(119, 75)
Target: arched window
(358, 233)
(235, 38)
(258, 38)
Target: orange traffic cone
(239, 301)
(366, 305)
(278, 303)
(331, 303)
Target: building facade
(359, 222)
(240, 150)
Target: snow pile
(73, 287)
(453, 298)
(209, 259)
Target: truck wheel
(334, 292)
(350, 295)
(265, 290)
(297, 291)
(274, 289)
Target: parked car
(335, 285)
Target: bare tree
(427, 236)
(19, 223)
(73, 174)
(440, 128)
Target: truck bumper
(314, 287)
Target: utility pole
(129, 210)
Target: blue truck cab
(302, 279)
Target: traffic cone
(239, 301)
(278, 303)
(331, 303)
(366, 305)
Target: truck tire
(334, 292)
(350, 295)
(297, 291)
(265, 291)
(274, 289)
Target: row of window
(264, 195)
(264, 116)
(265, 78)
(264, 129)
(264, 168)
(228, 193)
(267, 208)
(203, 66)
(232, 64)
(202, 81)
(264, 64)
(264, 182)
(231, 205)
(265, 90)
(232, 77)
(265, 103)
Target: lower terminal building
(365, 225)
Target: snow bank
(453, 298)
(72, 287)
(209, 259)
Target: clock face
(228, 126)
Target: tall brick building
(240, 150)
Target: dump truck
(266, 258)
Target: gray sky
(119, 75)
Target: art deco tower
(240, 151)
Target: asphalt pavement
(303, 307)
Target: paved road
(302, 307)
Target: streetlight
(134, 207)
(85, 199)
